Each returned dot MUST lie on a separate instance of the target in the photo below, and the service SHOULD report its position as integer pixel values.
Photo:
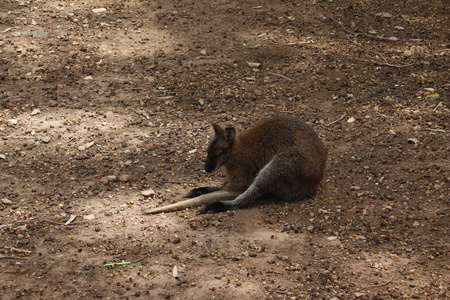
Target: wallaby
(280, 157)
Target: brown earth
(97, 107)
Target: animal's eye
(218, 152)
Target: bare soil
(97, 107)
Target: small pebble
(7, 201)
(46, 139)
(148, 193)
(12, 121)
(124, 177)
(99, 10)
(384, 15)
(40, 34)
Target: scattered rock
(104, 180)
(148, 193)
(384, 15)
(89, 217)
(124, 177)
(175, 271)
(7, 201)
(112, 178)
(35, 112)
(253, 64)
(40, 34)
(12, 121)
(86, 146)
(99, 10)
(21, 228)
(16, 34)
(46, 139)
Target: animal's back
(278, 136)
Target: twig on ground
(129, 89)
(435, 130)
(64, 224)
(369, 50)
(331, 123)
(279, 75)
(381, 284)
(141, 259)
(12, 257)
(18, 250)
(437, 106)
(385, 63)
(299, 43)
(351, 32)
(390, 65)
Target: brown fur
(280, 157)
(291, 140)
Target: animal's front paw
(199, 191)
(194, 193)
(214, 207)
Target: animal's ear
(231, 134)
(217, 129)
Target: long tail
(197, 201)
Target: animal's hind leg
(262, 185)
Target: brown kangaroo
(280, 157)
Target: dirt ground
(99, 106)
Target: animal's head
(219, 149)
